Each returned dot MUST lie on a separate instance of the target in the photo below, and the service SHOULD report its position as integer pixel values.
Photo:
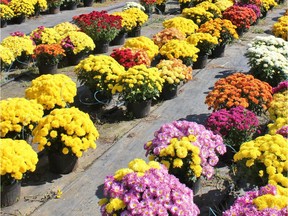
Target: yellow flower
(19, 45)
(144, 43)
(64, 136)
(16, 116)
(52, 91)
(23, 7)
(65, 27)
(186, 26)
(179, 49)
(97, 72)
(177, 163)
(17, 157)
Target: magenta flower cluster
(283, 131)
(67, 44)
(17, 34)
(154, 193)
(235, 125)
(244, 204)
(282, 86)
(210, 144)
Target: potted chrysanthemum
(240, 89)
(205, 42)
(138, 17)
(198, 15)
(77, 46)
(129, 57)
(146, 188)
(267, 57)
(47, 57)
(180, 49)
(5, 15)
(187, 149)
(65, 134)
(144, 43)
(21, 9)
(100, 74)
(44, 35)
(280, 28)
(17, 159)
(278, 106)
(22, 48)
(236, 126)
(173, 72)
(65, 27)
(6, 58)
(52, 91)
(268, 200)
(225, 32)
(183, 24)
(137, 87)
(262, 161)
(100, 26)
(18, 117)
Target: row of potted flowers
(264, 89)
(16, 11)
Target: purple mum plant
(146, 189)
(185, 161)
(236, 125)
(266, 201)
(282, 86)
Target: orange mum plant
(240, 89)
(48, 54)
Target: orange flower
(48, 53)
(240, 89)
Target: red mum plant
(129, 57)
(100, 26)
(242, 17)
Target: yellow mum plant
(183, 24)
(99, 73)
(6, 57)
(267, 4)
(75, 42)
(144, 43)
(44, 35)
(6, 13)
(205, 42)
(52, 91)
(139, 83)
(223, 4)
(212, 8)
(278, 106)
(22, 7)
(167, 34)
(18, 117)
(66, 131)
(265, 158)
(137, 16)
(173, 72)
(40, 5)
(65, 27)
(17, 158)
(20, 46)
(280, 28)
(180, 49)
(198, 15)
(127, 22)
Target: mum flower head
(266, 201)
(52, 91)
(196, 135)
(146, 188)
(240, 89)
